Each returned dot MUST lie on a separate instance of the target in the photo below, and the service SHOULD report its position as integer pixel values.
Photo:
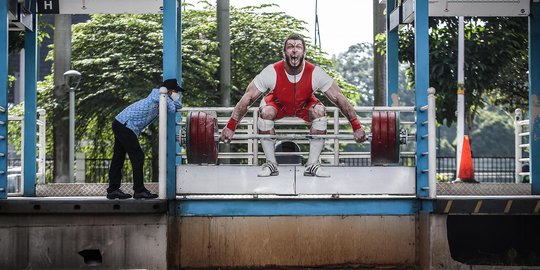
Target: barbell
(201, 137)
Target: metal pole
(4, 35)
(392, 65)
(167, 185)
(62, 60)
(517, 155)
(71, 157)
(421, 55)
(42, 146)
(379, 65)
(534, 93)
(460, 94)
(224, 41)
(432, 144)
(336, 140)
(162, 144)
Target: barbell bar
(404, 136)
(201, 137)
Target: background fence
(96, 170)
(486, 169)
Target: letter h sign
(48, 7)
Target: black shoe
(117, 194)
(145, 194)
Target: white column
(432, 144)
(517, 149)
(71, 156)
(460, 95)
(162, 143)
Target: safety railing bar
(292, 121)
(304, 154)
(383, 108)
(246, 121)
(357, 109)
(523, 134)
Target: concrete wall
(198, 242)
(53, 241)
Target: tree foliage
(492, 134)
(356, 67)
(120, 58)
(495, 62)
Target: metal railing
(522, 148)
(97, 171)
(16, 173)
(486, 169)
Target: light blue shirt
(142, 113)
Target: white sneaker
(315, 169)
(268, 169)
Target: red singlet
(292, 99)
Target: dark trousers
(125, 141)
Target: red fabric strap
(232, 124)
(355, 124)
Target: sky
(342, 23)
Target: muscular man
(291, 83)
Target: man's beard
(300, 60)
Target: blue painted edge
(297, 207)
(421, 56)
(179, 76)
(427, 205)
(534, 96)
(392, 61)
(170, 71)
(30, 107)
(3, 95)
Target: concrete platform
(241, 179)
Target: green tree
(120, 57)
(495, 62)
(356, 67)
(492, 134)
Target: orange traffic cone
(466, 168)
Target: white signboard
(480, 8)
(100, 6)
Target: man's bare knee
(267, 112)
(265, 123)
(317, 111)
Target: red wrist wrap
(355, 124)
(232, 124)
